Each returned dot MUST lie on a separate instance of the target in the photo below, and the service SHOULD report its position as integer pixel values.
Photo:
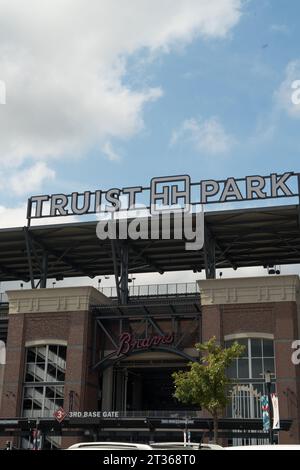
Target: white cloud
(2, 92)
(206, 136)
(12, 216)
(109, 152)
(16, 217)
(285, 96)
(31, 179)
(64, 64)
(280, 28)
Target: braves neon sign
(128, 343)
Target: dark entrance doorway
(152, 389)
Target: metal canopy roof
(242, 238)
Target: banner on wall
(276, 417)
(265, 412)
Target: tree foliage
(206, 383)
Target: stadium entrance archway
(144, 383)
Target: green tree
(206, 383)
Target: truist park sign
(164, 194)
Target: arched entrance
(143, 381)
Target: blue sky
(116, 95)
(233, 79)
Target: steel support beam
(14, 274)
(209, 254)
(44, 275)
(120, 262)
(145, 259)
(124, 272)
(62, 257)
(29, 258)
(110, 324)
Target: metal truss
(38, 253)
(109, 328)
(209, 253)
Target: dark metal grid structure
(112, 321)
(233, 239)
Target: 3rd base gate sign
(165, 194)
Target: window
(257, 358)
(247, 373)
(45, 370)
(2, 353)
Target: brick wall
(71, 326)
(280, 318)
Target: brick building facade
(51, 332)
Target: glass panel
(50, 392)
(256, 347)
(268, 348)
(39, 373)
(60, 376)
(257, 368)
(41, 368)
(29, 377)
(38, 392)
(53, 349)
(232, 370)
(43, 400)
(41, 354)
(243, 368)
(244, 342)
(269, 365)
(28, 392)
(62, 352)
(258, 388)
(37, 405)
(59, 402)
(27, 404)
(51, 373)
(31, 355)
(59, 392)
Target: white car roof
(266, 447)
(180, 445)
(108, 446)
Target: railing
(155, 290)
(3, 297)
(181, 414)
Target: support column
(209, 254)
(120, 261)
(44, 274)
(124, 273)
(34, 257)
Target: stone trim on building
(63, 299)
(249, 290)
